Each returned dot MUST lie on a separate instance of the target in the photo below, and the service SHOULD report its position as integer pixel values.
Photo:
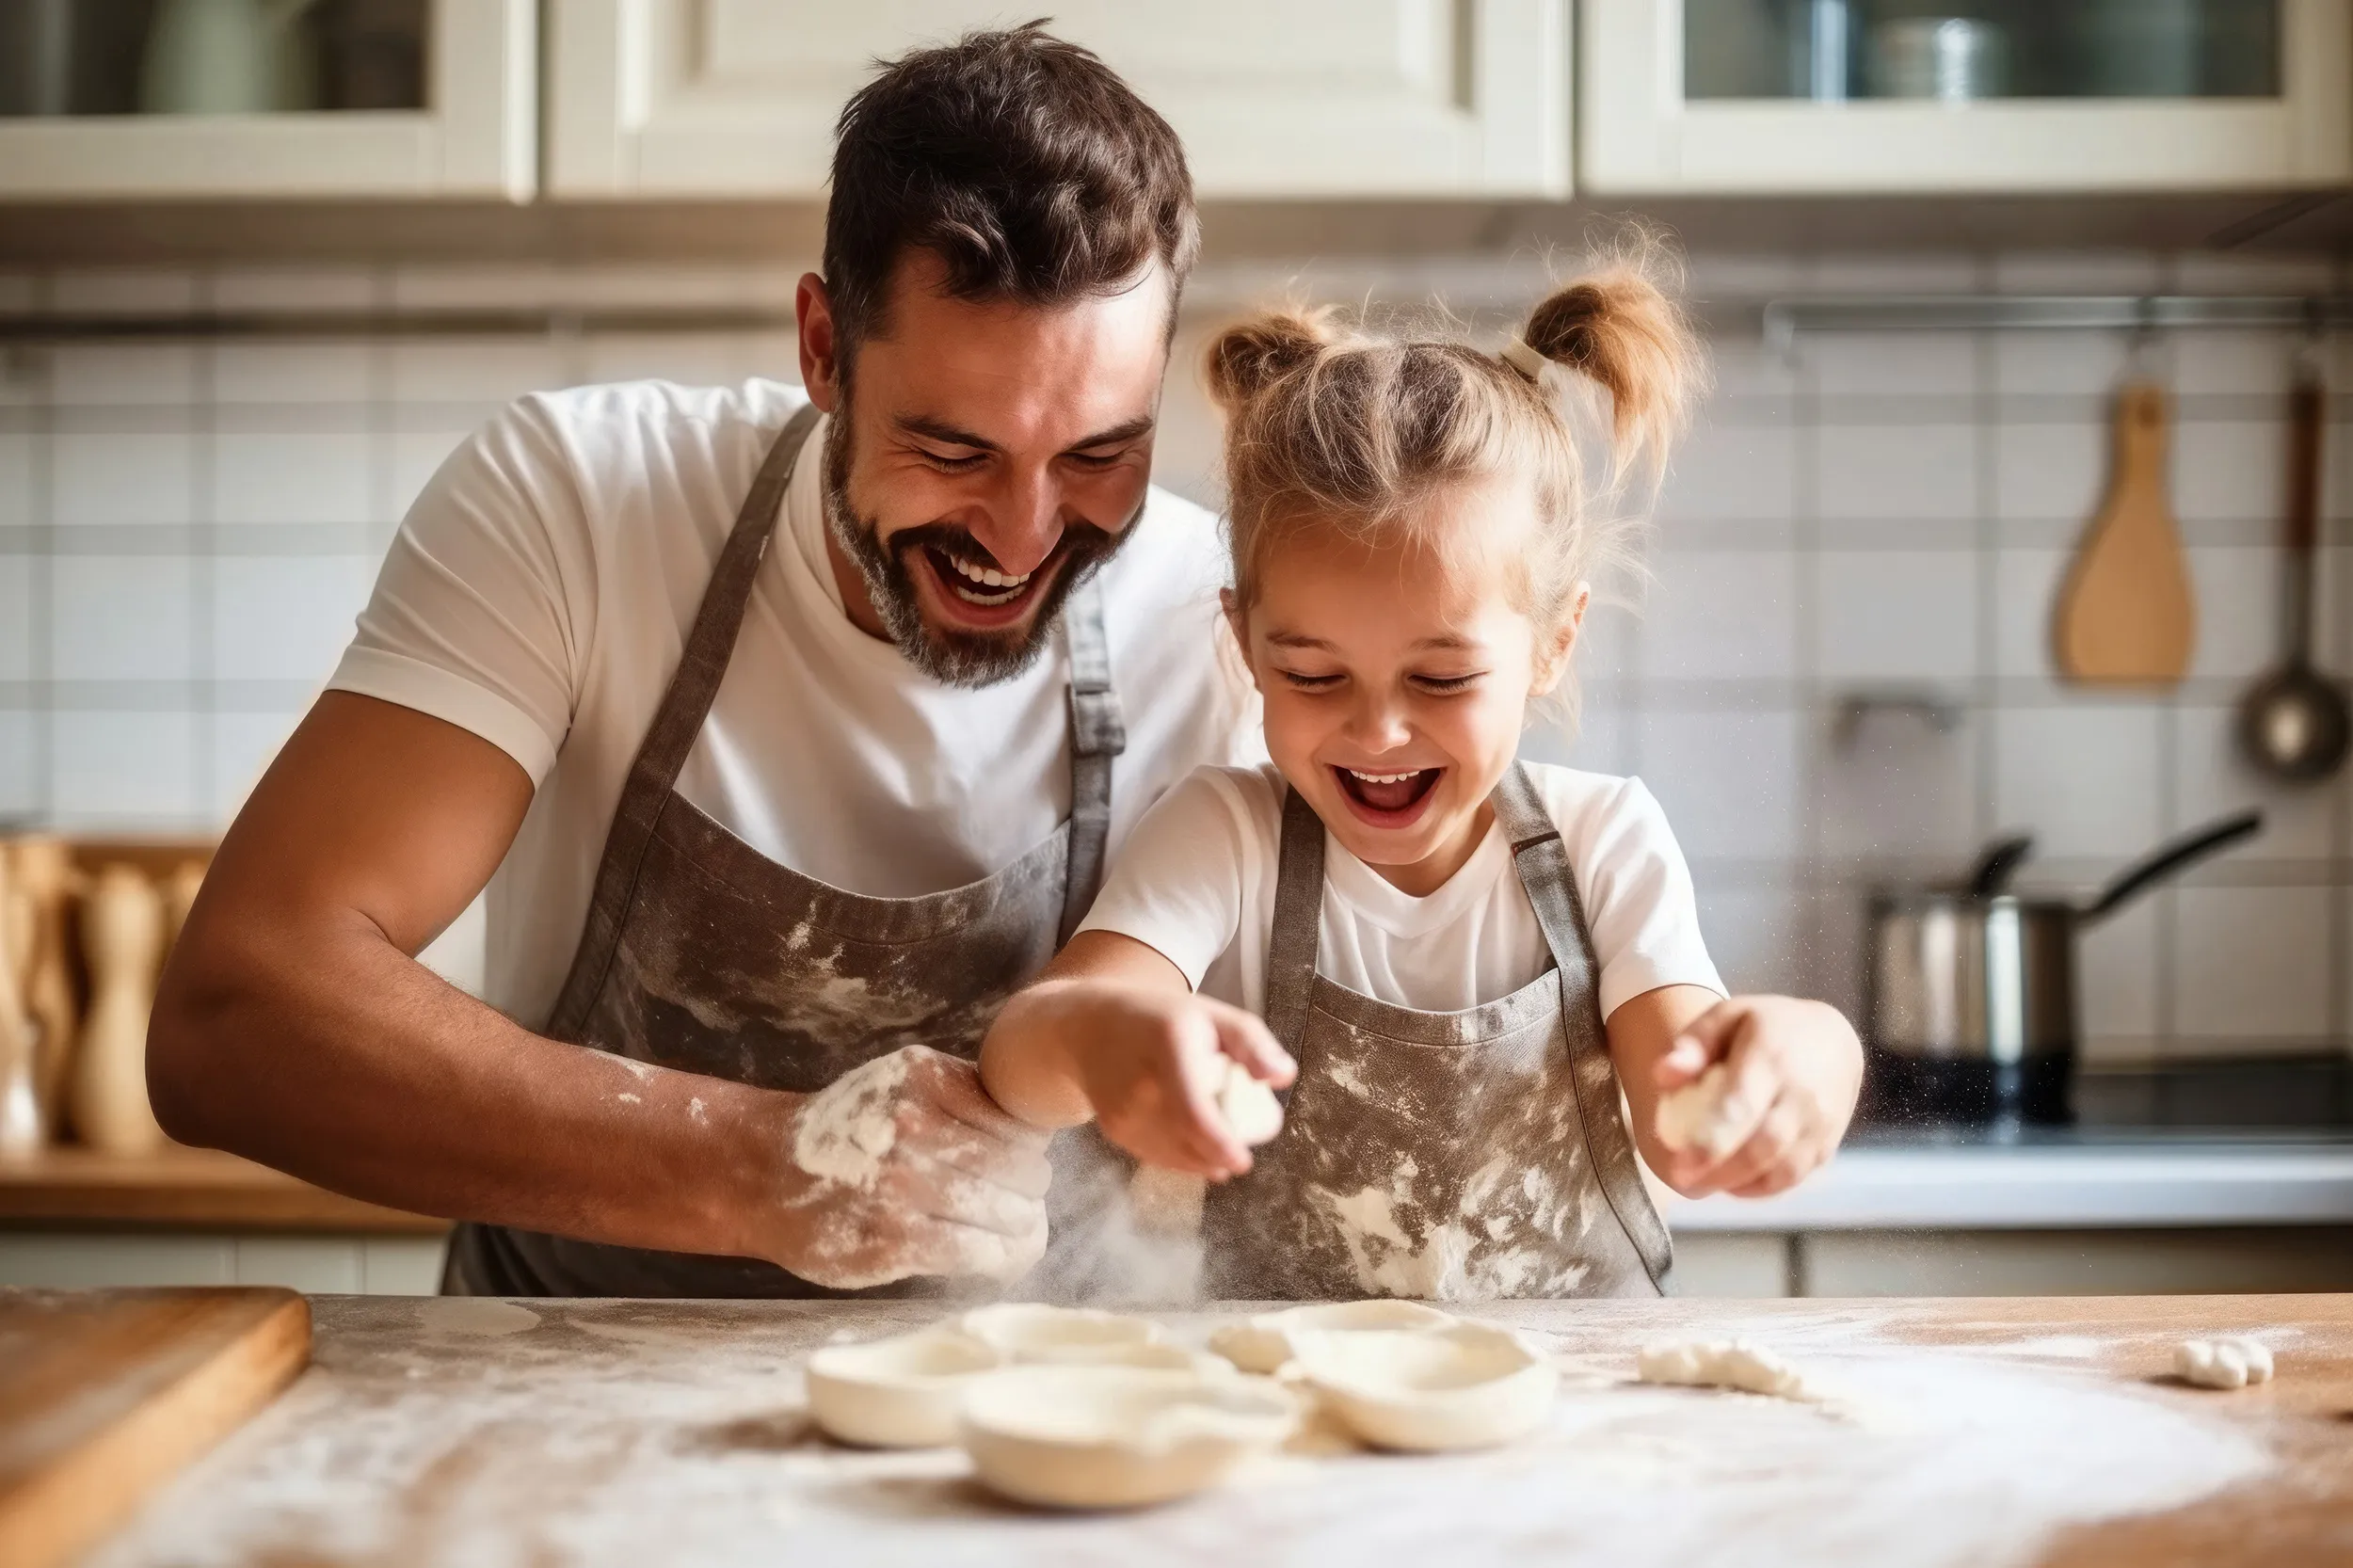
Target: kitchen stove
(2241, 1100)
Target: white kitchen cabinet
(1273, 98)
(476, 136)
(1790, 97)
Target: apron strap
(1550, 882)
(1098, 734)
(1290, 959)
(710, 642)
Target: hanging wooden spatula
(2125, 616)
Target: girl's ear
(1237, 622)
(1552, 655)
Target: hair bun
(1627, 334)
(1251, 356)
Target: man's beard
(952, 656)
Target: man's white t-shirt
(1197, 884)
(539, 593)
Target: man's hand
(903, 1167)
(1793, 1070)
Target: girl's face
(1397, 682)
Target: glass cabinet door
(1836, 51)
(1997, 96)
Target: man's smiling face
(983, 457)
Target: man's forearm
(341, 1060)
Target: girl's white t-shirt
(1196, 881)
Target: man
(789, 732)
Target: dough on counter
(1737, 1364)
(1249, 1106)
(2230, 1363)
(1704, 1116)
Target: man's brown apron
(1460, 1156)
(703, 954)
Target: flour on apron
(703, 954)
(1456, 1155)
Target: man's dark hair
(1023, 162)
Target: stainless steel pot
(1969, 993)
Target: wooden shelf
(183, 1189)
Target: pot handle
(2169, 859)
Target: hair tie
(1524, 359)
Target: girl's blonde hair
(1330, 424)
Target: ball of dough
(2230, 1363)
(1705, 1115)
(1249, 1107)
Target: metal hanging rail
(1784, 319)
(33, 328)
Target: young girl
(1459, 959)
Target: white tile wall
(1897, 474)
(1895, 615)
(121, 617)
(107, 480)
(186, 532)
(2083, 775)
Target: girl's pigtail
(1252, 355)
(1619, 328)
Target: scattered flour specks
(847, 1131)
(624, 1433)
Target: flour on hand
(848, 1131)
(1250, 1108)
(2222, 1363)
(1736, 1364)
(1706, 1115)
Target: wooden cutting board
(108, 1393)
(2125, 616)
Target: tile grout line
(203, 571)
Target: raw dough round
(1249, 1107)
(897, 1393)
(2231, 1363)
(1263, 1344)
(1030, 1331)
(1428, 1390)
(1116, 1436)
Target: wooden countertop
(1976, 1433)
(182, 1188)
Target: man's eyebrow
(1127, 431)
(949, 435)
(944, 433)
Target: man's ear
(820, 359)
(1552, 655)
(1237, 622)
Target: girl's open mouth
(1388, 799)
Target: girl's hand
(1153, 1067)
(1794, 1067)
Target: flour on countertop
(848, 1129)
(621, 1433)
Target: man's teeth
(1386, 777)
(987, 577)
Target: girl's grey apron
(1459, 1156)
(703, 954)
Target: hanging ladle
(2294, 723)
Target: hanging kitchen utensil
(2292, 723)
(1969, 1000)
(2125, 616)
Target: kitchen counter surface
(2054, 1184)
(1978, 1432)
(181, 1188)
